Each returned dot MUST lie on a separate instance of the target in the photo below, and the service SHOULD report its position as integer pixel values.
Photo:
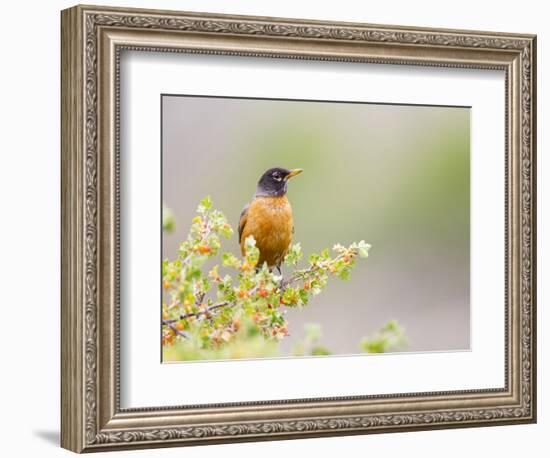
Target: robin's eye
(276, 177)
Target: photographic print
(296, 228)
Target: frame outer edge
(72, 227)
(81, 253)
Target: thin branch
(173, 328)
(207, 310)
(302, 274)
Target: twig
(207, 310)
(301, 274)
(173, 328)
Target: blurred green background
(397, 176)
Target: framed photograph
(278, 228)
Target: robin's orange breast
(269, 221)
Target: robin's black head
(274, 182)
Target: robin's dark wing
(242, 220)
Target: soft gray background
(396, 176)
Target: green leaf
(251, 252)
(294, 254)
(313, 331)
(230, 260)
(320, 351)
(363, 249)
(389, 337)
(290, 297)
(168, 220)
(314, 258)
(205, 205)
(344, 273)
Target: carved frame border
(92, 39)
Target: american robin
(268, 218)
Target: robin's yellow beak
(293, 173)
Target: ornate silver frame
(92, 39)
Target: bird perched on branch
(268, 218)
